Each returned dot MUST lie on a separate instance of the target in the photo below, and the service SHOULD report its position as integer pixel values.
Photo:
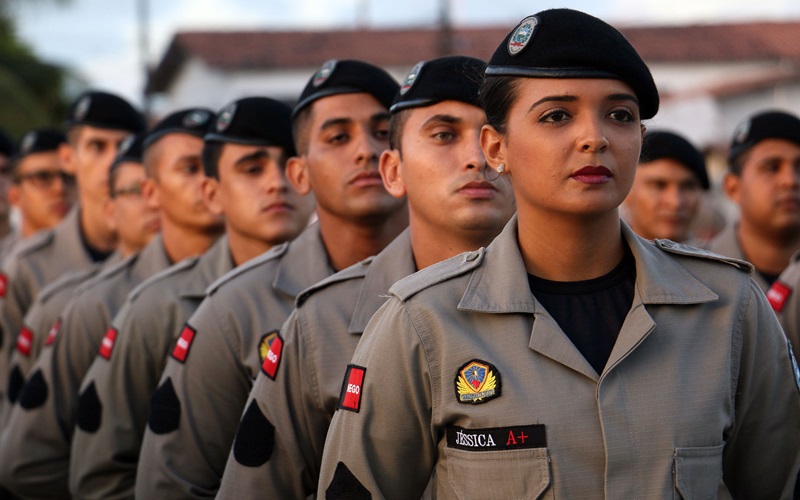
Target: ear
(732, 184)
(109, 211)
(391, 172)
(151, 193)
(297, 173)
(67, 157)
(493, 146)
(210, 189)
(14, 194)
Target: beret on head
(660, 144)
(255, 121)
(130, 151)
(103, 110)
(40, 141)
(7, 146)
(192, 121)
(565, 43)
(453, 78)
(348, 77)
(764, 125)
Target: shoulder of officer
(167, 274)
(356, 271)
(267, 258)
(437, 273)
(676, 248)
(66, 282)
(36, 243)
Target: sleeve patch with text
(350, 397)
(271, 346)
(25, 341)
(108, 343)
(181, 350)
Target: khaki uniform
(105, 451)
(784, 297)
(40, 426)
(727, 243)
(202, 393)
(298, 403)
(464, 373)
(38, 261)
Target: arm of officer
(279, 442)
(16, 302)
(381, 440)
(762, 454)
(194, 411)
(105, 451)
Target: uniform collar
(727, 243)
(68, 237)
(304, 263)
(500, 283)
(394, 263)
(215, 262)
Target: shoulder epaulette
(690, 251)
(358, 270)
(106, 273)
(437, 273)
(69, 280)
(167, 273)
(36, 242)
(268, 256)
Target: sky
(98, 39)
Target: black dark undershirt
(590, 312)
(94, 254)
(769, 278)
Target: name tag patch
(108, 343)
(777, 295)
(477, 382)
(517, 437)
(181, 350)
(25, 341)
(270, 350)
(350, 397)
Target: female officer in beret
(570, 358)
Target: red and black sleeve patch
(777, 295)
(497, 438)
(272, 357)
(3, 285)
(108, 343)
(25, 341)
(51, 335)
(350, 397)
(181, 351)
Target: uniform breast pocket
(523, 474)
(698, 472)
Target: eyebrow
(333, 122)
(255, 155)
(450, 119)
(572, 98)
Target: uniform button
(472, 256)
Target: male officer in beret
(436, 161)
(668, 187)
(97, 123)
(41, 425)
(340, 129)
(137, 222)
(244, 158)
(764, 181)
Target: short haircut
(736, 164)
(300, 129)
(396, 124)
(212, 150)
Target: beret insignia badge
(322, 75)
(477, 382)
(28, 142)
(195, 119)
(522, 35)
(411, 77)
(82, 108)
(225, 117)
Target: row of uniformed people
(340, 126)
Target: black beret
(456, 78)
(565, 43)
(103, 110)
(130, 151)
(192, 121)
(7, 146)
(255, 121)
(348, 77)
(764, 125)
(40, 141)
(658, 144)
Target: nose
(276, 179)
(473, 155)
(673, 197)
(368, 148)
(592, 138)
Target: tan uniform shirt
(40, 426)
(38, 261)
(297, 404)
(784, 297)
(201, 396)
(464, 373)
(727, 243)
(105, 450)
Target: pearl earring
(501, 168)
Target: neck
(770, 255)
(182, 242)
(96, 230)
(243, 248)
(430, 245)
(348, 242)
(570, 248)
(27, 228)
